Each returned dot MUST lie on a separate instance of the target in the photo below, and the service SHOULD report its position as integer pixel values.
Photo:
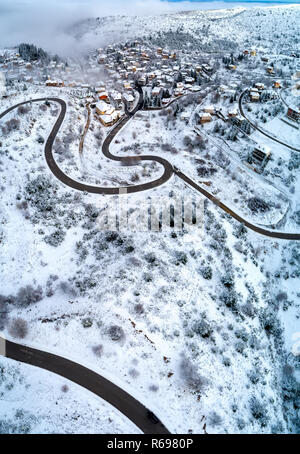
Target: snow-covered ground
(200, 326)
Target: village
(149, 231)
(205, 89)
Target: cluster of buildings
(164, 75)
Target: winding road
(87, 378)
(258, 128)
(90, 380)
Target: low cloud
(46, 23)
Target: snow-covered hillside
(213, 30)
(201, 326)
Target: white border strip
(2, 346)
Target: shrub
(180, 258)
(214, 419)
(23, 109)
(29, 295)
(206, 272)
(150, 258)
(40, 139)
(228, 279)
(202, 328)
(229, 298)
(18, 328)
(257, 205)
(97, 350)
(87, 322)
(190, 376)
(270, 323)
(116, 333)
(153, 388)
(139, 309)
(10, 125)
(133, 373)
(55, 238)
(258, 411)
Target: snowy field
(200, 326)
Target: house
(246, 52)
(260, 156)
(178, 92)
(265, 59)
(103, 95)
(206, 67)
(222, 88)
(165, 101)
(159, 50)
(127, 86)
(195, 88)
(277, 84)
(253, 52)
(123, 73)
(101, 59)
(142, 80)
(189, 80)
(209, 109)
(100, 89)
(231, 67)
(232, 113)
(294, 113)
(270, 69)
(185, 117)
(103, 108)
(116, 96)
(54, 83)
(254, 96)
(229, 93)
(128, 98)
(205, 118)
(155, 91)
(109, 119)
(145, 56)
(259, 86)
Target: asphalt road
(216, 201)
(258, 128)
(127, 160)
(97, 384)
(120, 399)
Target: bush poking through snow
(259, 411)
(258, 205)
(98, 350)
(29, 295)
(189, 375)
(18, 328)
(214, 419)
(202, 328)
(116, 333)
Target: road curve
(127, 160)
(258, 128)
(216, 201)
(132, 160)
(90, 380)
(97, 384)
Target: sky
(44, 22)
